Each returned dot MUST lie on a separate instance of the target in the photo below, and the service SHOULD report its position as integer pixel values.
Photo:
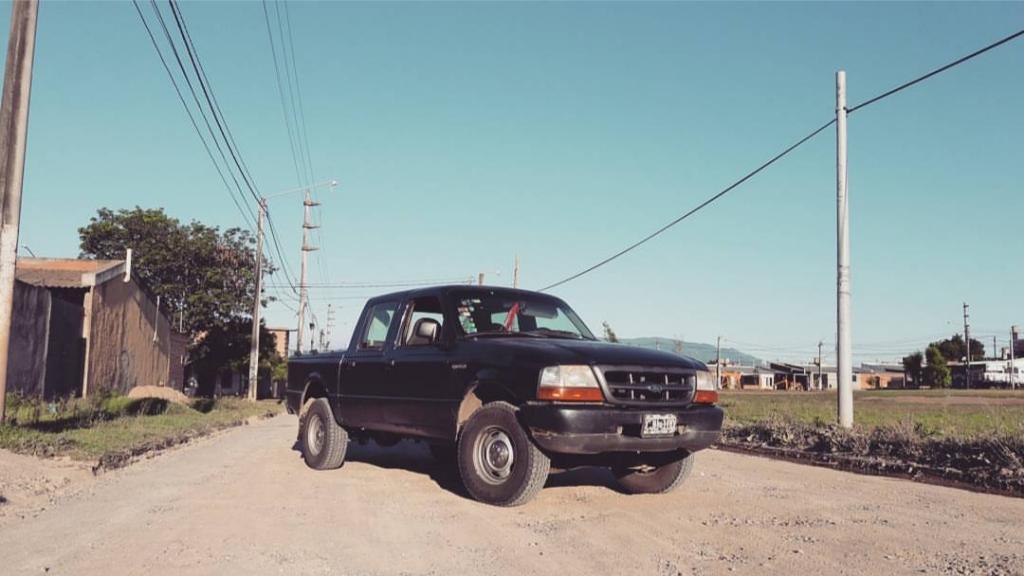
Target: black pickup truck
(508, 384)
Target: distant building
(80, 326)
(282, 340)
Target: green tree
(954, 349)
(913, 365)
(199, 272)
(936, 373)
(609, 334)
(225, 348)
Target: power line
(782, 154)
(195, 125)
(280, 91)
(398, 284)
(939, 70)
(699, 207)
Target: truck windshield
(494, 313)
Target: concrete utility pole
(254, 343)
(307, 225)
(515, 273)
(718, 364)
(480, 279)
(844, 353)
(13, 137)
(330, 325)
(967, 341)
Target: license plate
(658, 425)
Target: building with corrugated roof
(80, 326)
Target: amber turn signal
(570, 394)
(705, 397)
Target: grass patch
(111, 430)
(946, 413)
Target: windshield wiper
(501, 334)
(554, 333)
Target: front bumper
(598, 429)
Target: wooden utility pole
(254, 343)
(844, 353)
(13, 137)
(1013, 359)
(515, 273)
(480, 279)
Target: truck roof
(448, 288)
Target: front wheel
(498, 462)
(323, 441)
(655, 479)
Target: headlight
(707, 389)
(569, 383)
(705, 381)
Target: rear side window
(377, 325)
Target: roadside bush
(991, 461)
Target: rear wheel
(655, 479)
(324, 442)
(498, 462)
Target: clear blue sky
(463, 134)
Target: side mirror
(427, 329)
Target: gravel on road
(242, 502)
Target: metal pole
(13, 137)
(844, 354)
(967, 342)
(254, 343)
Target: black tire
(323, 441)
(490, 439)
(660, 480)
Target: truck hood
(564, 351)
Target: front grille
(641, 385)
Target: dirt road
(242, 502)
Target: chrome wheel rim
(315, 435)
(494, 455)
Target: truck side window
(424, 317)
(377, 324)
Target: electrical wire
(246, 216)
(698, 208)
(938, 70)
(782, 154)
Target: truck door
(420, 377)
(364, 371)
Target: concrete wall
(122, 351)
(26, 362)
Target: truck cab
(505, 384)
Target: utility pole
(967, 341)
(515, 273)
(821, 381)
(330, 325)
(307, 224)
(254, 343)
(844, 354)
(480, 279)
(995, 351)
(718, 364)
(1013, 359)
(21, 47)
